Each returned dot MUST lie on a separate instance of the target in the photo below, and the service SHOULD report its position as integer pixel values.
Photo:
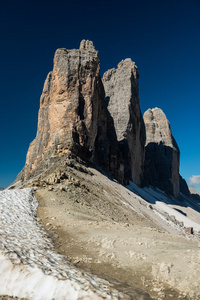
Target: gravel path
(29, 268)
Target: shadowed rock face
(194, 193)
(184, 187)
(162, 154)
(73, 116)
(121, 88)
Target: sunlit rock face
(162, 154)
(121, 88)
(100, 120)
(73, 117)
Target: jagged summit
(87, 45)
(99, 120)
(73, 117)
(127, 63)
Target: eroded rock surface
(73, 116)
(100, 121)
(121, 88)
(162, 154)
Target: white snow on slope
(185, 210)
(28, 266)
(32, 283)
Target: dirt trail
(93, 221)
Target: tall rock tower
(162, 154)
(121, 88)
(73, 116)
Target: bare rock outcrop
(100, 121)
(162, 154)
(73, 116)
(121, 88)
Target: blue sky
(162, 37)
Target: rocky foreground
(29, 266)
(109, 191)
(118, 234)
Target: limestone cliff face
(162, 154)
(73, 116)
(100, 121)
(121, 88)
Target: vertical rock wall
(73, 116)
(121, 88)
(162, 154)
(100, 120)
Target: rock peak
(87, 45)
(73, 117)
(155, 112)
(160, 127)
(100, 120)
(122, 97)
(162, 154)
(126, 63)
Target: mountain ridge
(100, 120)
(109, 202)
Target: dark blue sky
(162, 37)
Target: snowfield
(181, 213)
(29, 268)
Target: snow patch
(186, 211)
(26, 282)
(29, 268)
